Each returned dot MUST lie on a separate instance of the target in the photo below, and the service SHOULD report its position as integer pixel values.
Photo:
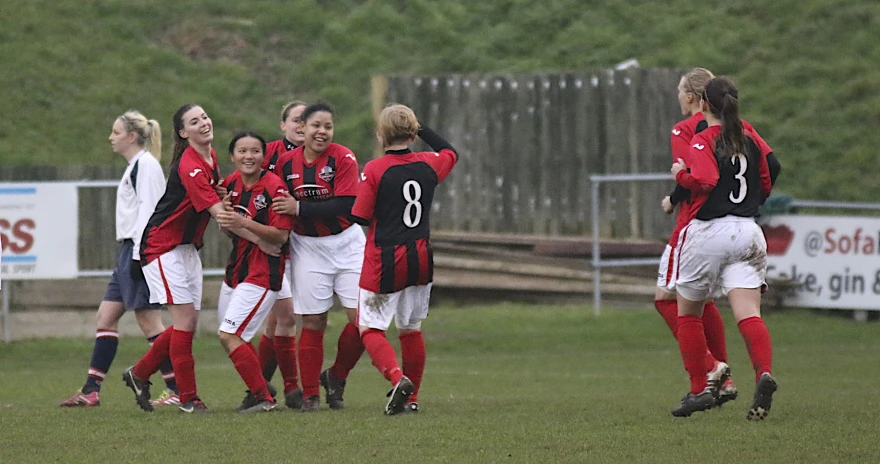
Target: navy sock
(166, 369)
(106, 342)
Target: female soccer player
(722, 247)
(327, 252)
(253, 278)
(689, 90)
(139, 141)
(394, 199)
(169, 256)
(293, 137)
(293, 134)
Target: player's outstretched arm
(326, 208)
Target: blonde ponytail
(149, 135)
(154, 141)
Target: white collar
(137, 156)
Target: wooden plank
(542, 166)
(378, 97)
(614, 195)
(516, 239)
(525, 155)
(475, 175)
(488, 184)
(445, 117)
(635, 114)
(507, 170)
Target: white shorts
(666, 271)
(284, 293)
(176, 277)
(322, 266)
(408, 308)
(242, 310)
(720, 254)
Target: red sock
(757, 338)
(311, 357)
(412, 350)
(253, 348)
(266, 352)
(156, 355)
(248, 367)
(349, 350)
(382, 354)
(713, 327)
(285, 352)
(692, 343)
(668, 309)
(180, 350)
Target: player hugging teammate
(722, 248)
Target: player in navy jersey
(139, 141)
(293, 137)
(394, 199)
(169, 256)
(722, 248)
(253, 277)
(326, 251)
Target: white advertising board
(836, 259)
(38, 229)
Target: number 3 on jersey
(743, 185)
(412, 193)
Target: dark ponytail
(180, 143)
(722, 96)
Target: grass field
(505, 383)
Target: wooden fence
(528, 145)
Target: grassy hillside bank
(807, 69)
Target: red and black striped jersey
(247, 263)
(395, 195)
(722, 186)
(182, 215)
(334, 174)
(680, 141)
(274, 150)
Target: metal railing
(597, 262)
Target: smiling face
(247, 155)
(197, 127)
(318, 131)
(292, 126)
(120, 139)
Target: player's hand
(231, 220)
(285, 204)
(135, 271)
(678, 166)
(269, 248)
(227, 201)
(667, 205)
(220, 189)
